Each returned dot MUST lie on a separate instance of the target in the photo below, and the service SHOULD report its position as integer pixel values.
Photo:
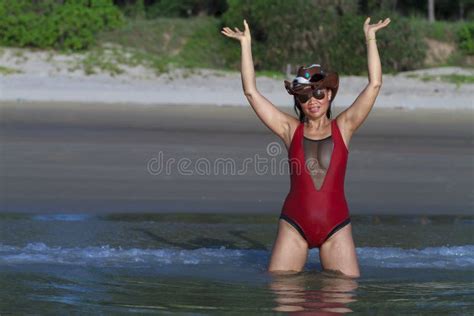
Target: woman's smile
(314, 108)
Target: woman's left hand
(370, 29)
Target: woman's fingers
(367, 21)
(236, 32)
(387, 20)
(375, 27)
(226, 34)
(228, 30)
(383, 24)
(230, 33)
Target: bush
(49, 24)
(185, 8)
(134, 9)
(207, 48)
(401, 45)
(466, 38)
(303, 32)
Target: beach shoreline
(41, 76)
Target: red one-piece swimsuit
(316, 213)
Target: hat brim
(330, 81)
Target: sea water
(200, 264)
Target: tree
(431, 11)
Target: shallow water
(212, 263)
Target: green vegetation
(466, 38)
(100, 60)
(452, 78)
(182, 8)
(113, 59)
(335, 38)
(8, 70)
(458, 79)
(164, 43)
(196, 41)
(438, 30)
(49, 24)
(164, 34)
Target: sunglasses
(317, 93)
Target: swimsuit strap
(337, 136)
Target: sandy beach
(71, 157)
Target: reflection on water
(309, 292)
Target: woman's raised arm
(354, 116)
(271, 116)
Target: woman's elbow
(375, 84)
(250, 94)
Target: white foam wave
(455, 257)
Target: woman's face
(316, 108)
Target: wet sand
(69, 157)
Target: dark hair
(300, 113)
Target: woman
(315, 212)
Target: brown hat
(312, 77)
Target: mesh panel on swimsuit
(317, 154)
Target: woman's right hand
(238, 34)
